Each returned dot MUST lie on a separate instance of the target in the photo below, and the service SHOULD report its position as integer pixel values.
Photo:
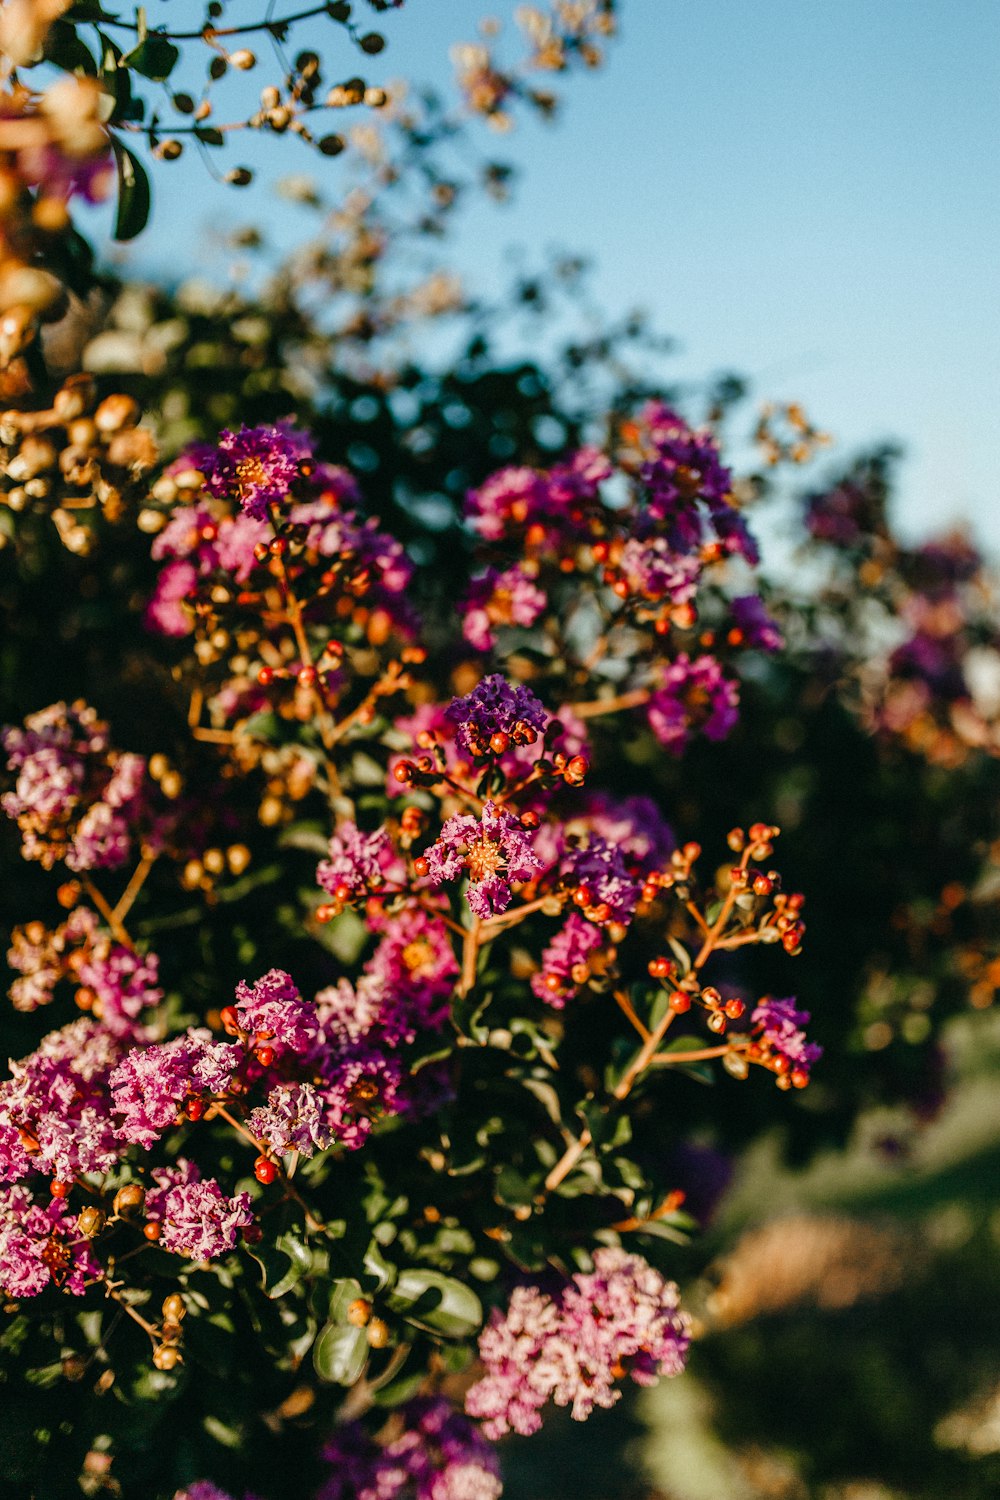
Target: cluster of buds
(79, 458)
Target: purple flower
(275, 1012)
(356, 1088)
(754, 625)
(495, 599)
(494, 850)
(197, 1219)
(496, 707)
(40, 1247)
(256, 466)
(694, 695)
(151, 1084)
(357, 864)
(566, 961)
(599, 869)
(779, 1027)
(621, 1318)
(438, 1455)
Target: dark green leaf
(340, 1353)
(436, 1302)
(155, 57)
(133, 193)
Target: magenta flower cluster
(74, 798)
(780, 1028)
(438, 1455)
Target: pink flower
(55, 1109)
(274, 1011)
(292, 1121)
(574, 1347)
(493, 850)
(566, 959)
(123, 984)
(40, 1247)
(694, 695)
(358, 862)
(198, 1220)
(438, 1455)
(151, 1084)
(495, 599)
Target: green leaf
(513, 1189)
(282, 1264)
(340, 1353)
(438, 1303)
(155, 57)
(133, 193)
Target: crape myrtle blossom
(493, 850)
(495, 714)
(778, 1033)
(693, 696)
(274, 1011)
(120, 984)
(257, 466)
(573, 1347)
(496, 599)
(542, 507)
(40, 1246)
(55, 1109)
(152, 1084)
(438, 1455)
(204, 542)
(688, 488)
(358, 863)
(652, 569)
(196, 1218)
(43, 956)
(603, 886)
(74, 797)
(292, 1120)
(565, 962)
(753, 625)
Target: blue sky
(802, 191)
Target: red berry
(659, 968)
(421, 866)
(306, 677)
(680, 1001)
(260, 551)
(265, 676)
(734, 1009)
(194, 1109)
(230, 1020)
(264, 1169)
(264, 1055)
(499, 742)
(59, 1189)
(530, 819)
(403, 771)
